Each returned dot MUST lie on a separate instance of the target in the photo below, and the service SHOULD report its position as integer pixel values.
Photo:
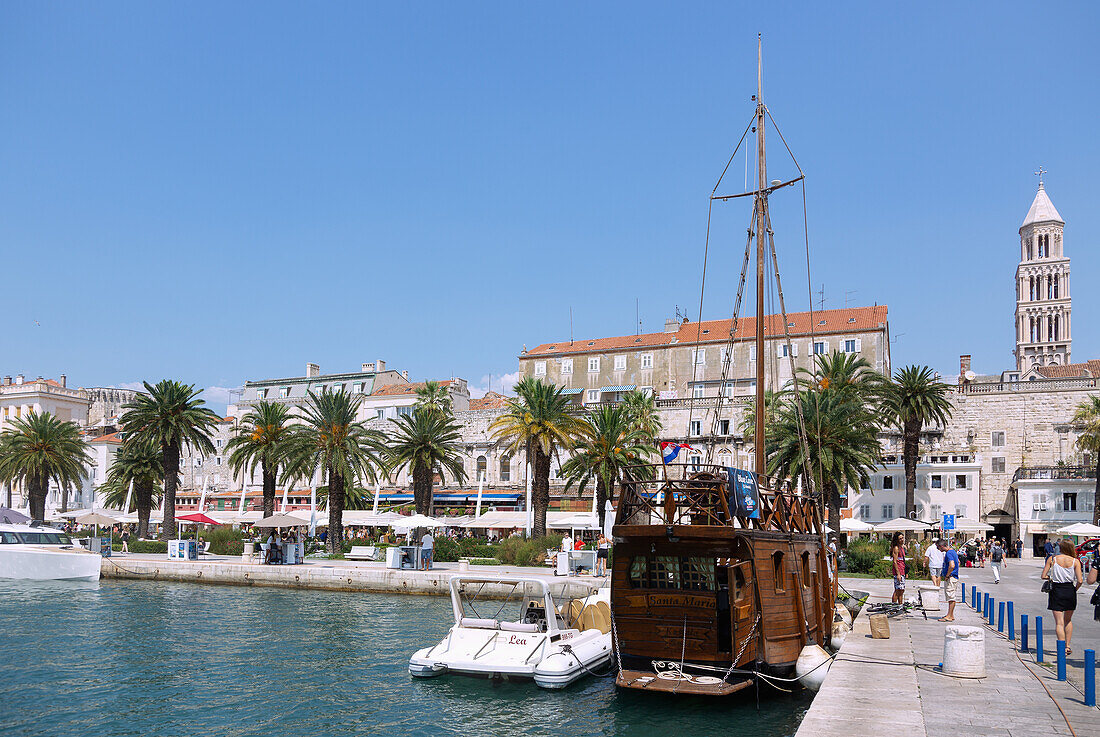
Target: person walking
(950, 574)
(897, 557)
(427, 545)
(1063, 571)
(125, 536)
(1019, 548)
(1048, 550)
(602, 548)
(996, 560)
(933, 560)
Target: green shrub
(470, 547)
(143, 546)
(484, 562)
(882, 569)
(519, 551)
(863, 554)
(445, 550)
(224, 540)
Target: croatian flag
(669, 451)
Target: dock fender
(812, 666)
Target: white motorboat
(44, 553)
(527, 635)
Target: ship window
(805, 569)
(738, 584)
(777, 570)
(698, 574)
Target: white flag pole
(530, 511)
(202, 496)
(240, 507)
(480, 489)
(377, 493)
(313, 510)
(285, 490)
(129, 493)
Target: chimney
(381, 365)
(62, 380)
(312, 370)
(7, 381)
(19, 379)
(672, 325)
(368, 368)
(405, 374)
(964, 366)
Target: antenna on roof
(570, 324)
(821, 297)
(848, 292)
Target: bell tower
(1043, 336)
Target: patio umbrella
(1080, 529)
(97, 519)
(414, 521)
(855, 525)
(903, 525)
(279, 521)
(11, 517)
(971, 525)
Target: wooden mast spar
(761, 205)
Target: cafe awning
(622, 388)
(571, 392)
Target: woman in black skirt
(1064, 573)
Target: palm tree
(641, 410)
(169, 416)
(40, 448)
(840, 449)
(539, 421)
(848, 373)
(332, 440)
(136, 463)
(609, 442)
(262, 442)
(1088, 414)
(434, 397)
(426, 440)
(915, 398)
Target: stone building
(694, 359)
(293, 390)
(107, 404)
(19, 397)
(1043, 325)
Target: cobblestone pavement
(892, 687)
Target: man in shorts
(950, 573)
(933, 560)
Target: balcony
(1055, 472)
(1040, 385)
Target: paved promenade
(892, 687)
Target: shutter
(826, 346)
(779, 350)
(752, 353)
(794, 349)
(859, 345)
(950, 482)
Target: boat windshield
(44, 537)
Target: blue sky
(216, 192)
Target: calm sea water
(146, 658)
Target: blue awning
(623, 388)
(570, 392)
(453, 497)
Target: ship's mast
(761, 206)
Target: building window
(850, 346)
(937, 481)
(261, 393)
(960, 481)
(285, 391)
(646, 391)
(1030, 282)
(593, 396)
(997, 465)
(697, 391)
(404, 411)
(566, 366)
(752, 353)
(594, 365)
(997, 439)
(819, 347)
(482, 464)
(887, 511)
(358, 387)
(1055, 286)
(540, 368)
(865, 511)
(723, 427)
(887, 482)
(620, 363)
(647, 360)
(696, 428)
(505, 468)
(336, 388)
(937, 513)
(728, 388)
(960, 510)
(380, 414)
(1069, 502)
(699, 356)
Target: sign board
(948, 522)
(745, 501)
(667, 394)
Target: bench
(363, 552)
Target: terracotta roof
(111, 437)
(398, 390)
(491, 400)
(28, 382)
(823, 322)
(1070, 370)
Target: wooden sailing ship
(719, 580)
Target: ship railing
(698, 495)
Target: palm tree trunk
(144, 504)
(834, 506)
(540, 491)
(64, 498)
(422, 488)
(335, 542)
(170, 468)
(910, 453)
(604, 490)
(268, 477)
(37, 488)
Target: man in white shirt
(933, 558)
(566, 544)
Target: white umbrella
(1080, 529)
(414, 521)
(901, 524)
(608, 518)
(971, 525)
(855, 525)
(582, 521)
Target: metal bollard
(973, 597)
(1061, 647)
(963, 584)
(1001, 617)
(985, 608)
(1090, 678)
(1011, 624)
(1023, 633)
(1038, 639)
(992, 611)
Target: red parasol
(199, 517)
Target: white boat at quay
(44, 554)
(525, 636)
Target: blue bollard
(1038, 639)
(988, 605)
(963, 584)
(1061, 646)
(1090, 678)
(992, 611)
(1023, 633)
(1011, 624)
(973, 597)
(1001, 617)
